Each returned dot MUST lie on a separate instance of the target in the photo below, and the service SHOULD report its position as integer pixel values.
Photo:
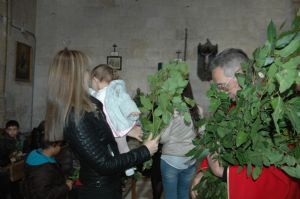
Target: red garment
(203, 165)
(273, 183)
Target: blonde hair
(67, 90)
(104, 72)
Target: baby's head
(102, 75)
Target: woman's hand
(215, 166)
(152, 144)
(196, 180)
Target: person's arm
(195, 181)
(94, 145)
(215, 166)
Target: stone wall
(148, 32)
(16, 96)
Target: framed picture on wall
(23, 62)
(115, 62)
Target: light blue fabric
(118, 105)
(178, 162)
(36, 157)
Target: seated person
(43, 175)
(10, 143)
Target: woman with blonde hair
(74, 116)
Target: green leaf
(286, 78)
(227, 141)
(241, 138)
(156, 125)
(189, 101)
(289, 160)
(187, 117)
(285, 40)
(292, 171)
(182, 83)
(166, 116)
(288, 75)
(202, 155)
(277, 105)
(249, 169)
(241, 80)
(292, 110)
(177, 100)
(271, 87)
(272, 71)
(256, 172)
(274, 156)
(158, 111)
(241, 158)
(163, 101)
(214, 104)
(222, 131)
(146, 102)
(229, 158)
(271, 32)
(268, 61)
(289, 49)
(292, 63)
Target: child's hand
(135, 114)
(136, 132)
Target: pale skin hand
(135, 114)
(136, 132)
(152, 144)
(215, 166)
(195, 181)
(69, 183)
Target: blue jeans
(176, 182)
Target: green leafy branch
(263, 128)
(166, 87)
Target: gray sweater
(177, 137)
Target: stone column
(3, 56)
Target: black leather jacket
(94, 145)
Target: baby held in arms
(121, 112)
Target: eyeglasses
(224, 86)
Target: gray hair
(229, 60)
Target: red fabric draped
(273, 183)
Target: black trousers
(92, 192)
(156, 179)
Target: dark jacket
(8, 145)
(43, 178)
(101, 164)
